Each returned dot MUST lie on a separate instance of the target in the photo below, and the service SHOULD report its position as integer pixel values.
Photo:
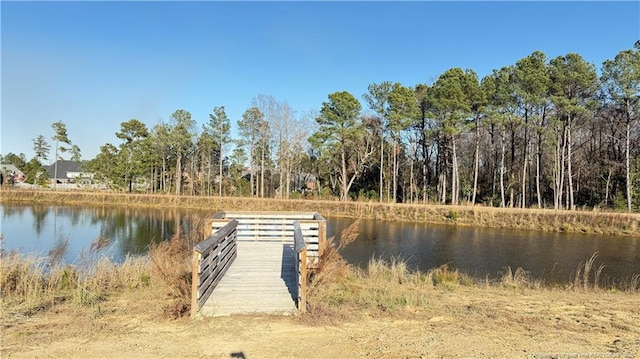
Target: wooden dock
(255, 262)
(261, 280)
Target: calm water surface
(69, 232)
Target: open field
(583, 221)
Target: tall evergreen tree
(250, 127)
(403, 111)
(60, 135)
(378, 99)
(41, 148)
(452, 102)
(339, 128)
(574, 83)
(219, 127)
(621, 81)
(133, 154)
(181, 140)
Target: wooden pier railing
(278, 226)
(211, 259)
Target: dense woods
(545, 133)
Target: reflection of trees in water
(10, 211)
(77, 215)
(135, 229)
(39, 213)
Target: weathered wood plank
(213, 285)
(220, 266)
(216, 237)
(284, 233)
(322, 233)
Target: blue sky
(94, 65)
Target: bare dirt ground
(460, 323)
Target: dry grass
(170, 263)
(585, 277)
(340, 290)
(30, 284)
(518, 279)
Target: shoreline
(547, 220)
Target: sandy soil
(461, 323)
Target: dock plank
(260, 280)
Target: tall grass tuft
(518, 279)
(171, 264)
(23, 282)
(633, 283)
(447, 278)
(583, 274)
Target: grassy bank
(30, 284)
(340, 289)
(581, 221)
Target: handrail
(211, 259)
(300, 266)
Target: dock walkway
(262, 279)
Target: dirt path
(462, 323)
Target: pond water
(72, 233)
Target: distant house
(11, 173)
(68, 172)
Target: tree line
(539, 133)
(178, 157)
(546, 133)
